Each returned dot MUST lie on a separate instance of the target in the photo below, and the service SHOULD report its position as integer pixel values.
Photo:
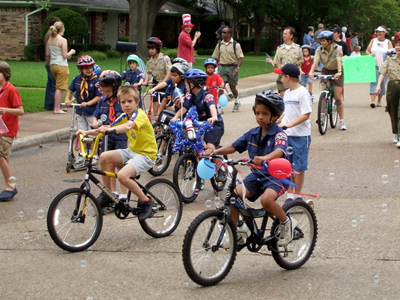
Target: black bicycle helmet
(197, 76)
(154, 41)
(180, 68)
(273, 100)
(111, 78)
(326, 34)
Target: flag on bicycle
(268, 59)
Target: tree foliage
(75, 25)
(41, 3)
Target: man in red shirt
(185, 43)
(397, 35)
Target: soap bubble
(26, 235)
(289, 150)
(354, 223)
(331, 176)
(385, 178)
(196, 191)
(233, 200)
(376, 278)
(384, 207)
(396, 163)
(217, 201)
(83, 263)
(40, 213)
(90, 250)
(21, 214)
(12, 181)
(208, 203)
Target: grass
(31, 77)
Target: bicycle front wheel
(158, 128)
(333, 114)
(205, 263)
(299, 250)
(185, 177)
(164, 155)
(73, 220)
(322, 120)
(167, 211)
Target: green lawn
(31, 77)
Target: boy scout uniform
(391, 68)
(284, 56)
(159, 68)
(330, 61)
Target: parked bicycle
(75, 219)
(210, 244)
(327, 108)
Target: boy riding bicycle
(133, 75)
(142, 150)
(265, 142)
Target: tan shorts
(339, 82)
(5, 145)
(279, 84)
(60, 73)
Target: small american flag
(268, 59)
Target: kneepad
(338, 102)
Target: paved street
(356, 255)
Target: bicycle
(160, 95)
(184, 174)
(210, 244)
(326, 105)
(75, 219)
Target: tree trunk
(142, 16)
(257, 41)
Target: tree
(41, 3)
(142, 16)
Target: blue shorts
(305, 79)
(115, 141)
(301, 147)
(214, 136)
(257, 184)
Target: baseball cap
(337, 29)
(289, 69)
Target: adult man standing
(309, 40)
(185, 43)
(230, 56)
(218, 33)
(287, 53)
(51, 81)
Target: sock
(290, 196)
(115, 194)
(123, 196)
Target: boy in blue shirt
(107, 111)
(265, 142)
(134, 76)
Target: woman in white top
(378, 47)
(58, 63)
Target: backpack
(234, 47)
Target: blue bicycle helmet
(326, 34)
(210, 61)
(273, 100)
(198, 77)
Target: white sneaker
(236, 106)
(343, 125)
(398, 144)
(221, 110)
(395, 139)
(286, 234)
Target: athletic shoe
(230, 95)
(145, 209)
(287, 231)
(221, 110)
(398, 144)
(103, 200)
(343, 125)
(240, 241)
(8, 195)
(95, 162)
(395, 139)
(236, 106)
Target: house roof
(101, 5)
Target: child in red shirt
(305, 69)
(214, 80)
(10, 109)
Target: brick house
(21, 22)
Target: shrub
(96, 55)
(113, 54)
(207, 52)
(124, 38)
(247, 44)
(172, 53)
(34, 52)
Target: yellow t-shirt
(141, 139)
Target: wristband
(238, 68)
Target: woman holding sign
(391, 68)
(378, 47)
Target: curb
(63, 134)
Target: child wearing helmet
(305, 69)
(141, 153)
(158, 66)
(171, 99)
(213, 80)
(206, 108)
(264, 142)
(107, 111)
(133, 75)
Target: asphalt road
(356, 255)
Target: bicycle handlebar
(72, 104)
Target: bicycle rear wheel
(167, 212)
(322, 120)
(164, 155)
(73, 220)
(299, 250)
(204, 263)
(185, 177)
(333, 114)
(158, 128)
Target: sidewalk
(46, 127)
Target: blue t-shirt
(202, 102)
(132, 77)
(275, 138)
(171, 94)
(85, 96)
(308, 40)
(102, 111)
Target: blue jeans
(50, 90)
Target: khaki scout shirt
(158, 68)
(291, 56)
(391, 68)
(226, 54)
(329, 59)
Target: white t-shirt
(297, 103)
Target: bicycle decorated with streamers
(210, 244)
(189, 143)
(327, 108)
(75, 218)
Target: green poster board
(359, 69)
